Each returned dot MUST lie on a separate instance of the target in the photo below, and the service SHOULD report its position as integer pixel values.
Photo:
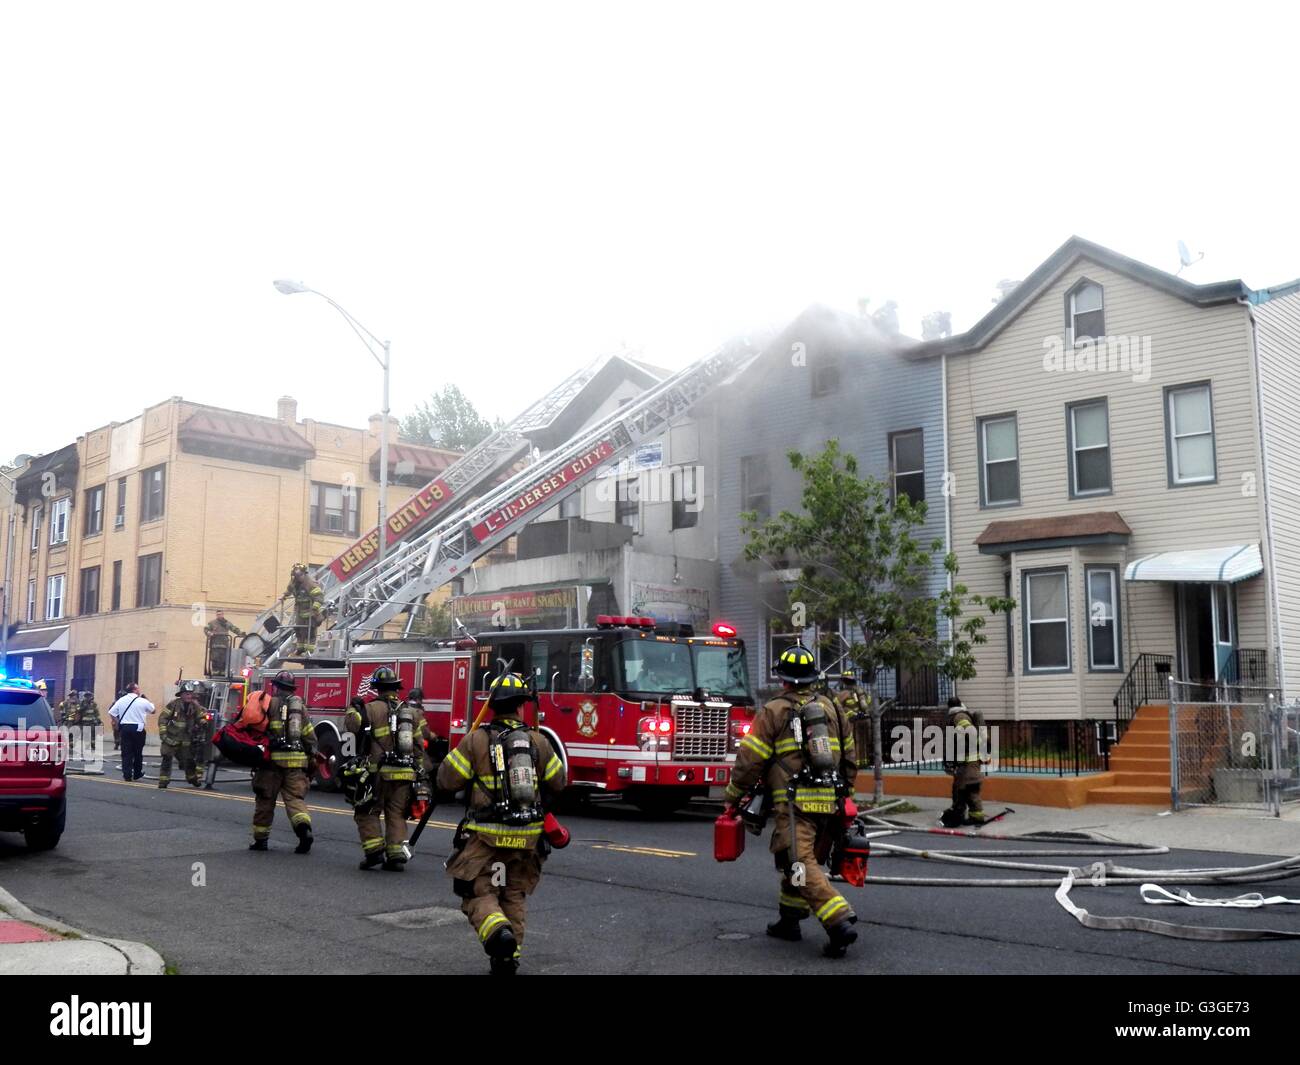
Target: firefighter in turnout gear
(176, 726)
(69, 711)
(801, 749)
(88, 721)
(308, 607)
(964, 735)
(220, 634)
(506, 770)
(392, 737)
(292, 746)
(850, 698)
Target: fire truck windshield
(721, 670)
(665, 667)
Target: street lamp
(292, 288)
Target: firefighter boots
(842, 936)
(304, 838)
(501, 944)
(786, 928)
(371, 859)
(395, 865)
(258, 845)
(504, 966)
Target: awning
(1209, 564)
(46, 638)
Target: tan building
(129, 540)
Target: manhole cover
(734, 935)
(429, 917)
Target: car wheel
(42, 837)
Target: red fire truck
(648, 710)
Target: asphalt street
(632, 893)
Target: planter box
(1239, 785)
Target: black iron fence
(919, 688)
(1147, 682)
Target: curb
(141, 959)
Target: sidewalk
(40, 946)
(1202, 828)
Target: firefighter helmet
(297, 568)
(188, 687)
(415, 695)
(796, 665)
(507, 692)
(385, 680)
(849, 676)
(284, 680)
(40, 686)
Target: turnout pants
(493, 884)
(290, 785)
(966, 791)
(392, 800)
(805, 887)
(185, 753)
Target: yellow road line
(653, 852)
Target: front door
(1207, 632)
(1225, 632)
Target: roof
(45, 638)
(414, 464)
(1237, 562)
(1073, 249)
(244, 437)
(1026, 534)
(62, 461)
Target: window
(89, 591)
(1189, 424)
(36, 528)
(907, 464)
(59, 521)
(1011, 639)
(148, 585)
(826, 374)
(128, 670)
(117, 586)
(627, 502)
(1103, 618)
(83, 673)
(686, 498)
(54, 598)
(94, 519)
(1000, 460)
(755, 485)
(153, 485)
(119, 518)
(31, 601)
(1047, 622)
(1085, 316)
(334, 509)
(1089, 428)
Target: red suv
(33, 752)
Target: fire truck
(647, 710)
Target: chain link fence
(1233, 745)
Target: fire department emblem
(587, 719)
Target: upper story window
(334, 509)
(54, 598)
(1085, 312)
(756, 485)
(1189, 434)
(686, 497)
(36, 528)
(94, 519)
(31, 601)
(999, 461)
(1089, 428)
(59, 521)
(627, 502)
(90, 590)
(153, 485)
(117, 586)
(148, 586)
(907, 464)
(119, 516)
(826, 374)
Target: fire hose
(1064, 878)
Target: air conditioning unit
(119, 520)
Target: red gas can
(728, 837)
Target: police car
(33, 753)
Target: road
(631, 894)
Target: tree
(447, 420)
(434, 620)
(860, 561)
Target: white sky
(508, 191)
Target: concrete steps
(1142, 795)
(1140, 762)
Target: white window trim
(1074, 312)
(31, 600)
(36, 528)
(984, 453)
(1031, 621)
(59, 511)
(1076, 448)
(1113, 618)
(1175, 435)
(53, 602)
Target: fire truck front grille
(701, 731)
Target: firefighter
(505, 769)
(850, 698)
(801, 748)
(69, 714)
(88, 720)
(292, 746)
(964, 765)
(176, 734)
(308, 607)
(201, 734)
(393, 737)
(220, 634)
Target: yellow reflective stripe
(382, 731)
(757, 746)
(490, 924)
(832, 907)
(794, 902)
(460, 763)
(552, 767)
(786, 746)
(534, 829)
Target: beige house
(1124, 461)
(129, 540)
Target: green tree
(448, 419)
(860, 561)
(434, 620)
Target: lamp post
(292, 288)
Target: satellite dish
(1185, 257)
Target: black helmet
(415, 695)
(188, 686)
(507, 692)
(796, 665)
(385, 680)
(284, 680)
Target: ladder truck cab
(635, 707)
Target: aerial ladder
(363, 603)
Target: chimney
(286, 409)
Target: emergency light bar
(724, 631)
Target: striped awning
(1209, 564)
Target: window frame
(827, 374)
(686, 512)
(1112, 570)
(125, 677)
(1071, 313)
(88, 580)
(115, 597)
(54, 604)
(94, 503)
(36, 513)
(1027, 606)
(147, 494)
(60, 511)
(1171, 437)
(981, 425)
(627, 501)
(142, 566)
(749, 464)
(31, 600)
(1011, 630)
(318, 509)
(119, 513)
(894, 473)
(1072, 450)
